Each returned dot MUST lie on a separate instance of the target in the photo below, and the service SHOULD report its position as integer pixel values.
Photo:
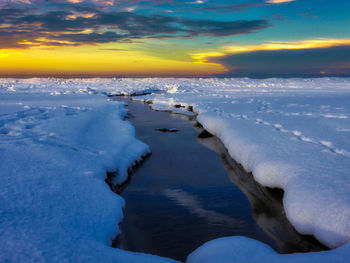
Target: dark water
(190, 191)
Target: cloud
(77, 15)
(89, 38)
(200, 6)
(113, 49)
(332, 60)
(28, 2)
(204, 56)
(218, 8)
(85, 25)
(299, 44)
(279, 1)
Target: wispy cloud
(279, 1)
(278, 45)
(203, 57)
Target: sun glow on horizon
(91, 60)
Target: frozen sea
(60, 136)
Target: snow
(53, 86)
(55, 148)
(290, 133)
(242, 249)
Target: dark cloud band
(332, 61)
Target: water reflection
(191, 203)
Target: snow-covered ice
(290, 133)
(54, 154)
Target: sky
(175, 38)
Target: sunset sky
(253, 38)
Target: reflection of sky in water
(174, 222)
(194, 206)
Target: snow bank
(54, 154)
(242, 249)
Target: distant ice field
(59, 136)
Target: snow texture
(54, 154)
(290, 133)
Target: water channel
(190, 191)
